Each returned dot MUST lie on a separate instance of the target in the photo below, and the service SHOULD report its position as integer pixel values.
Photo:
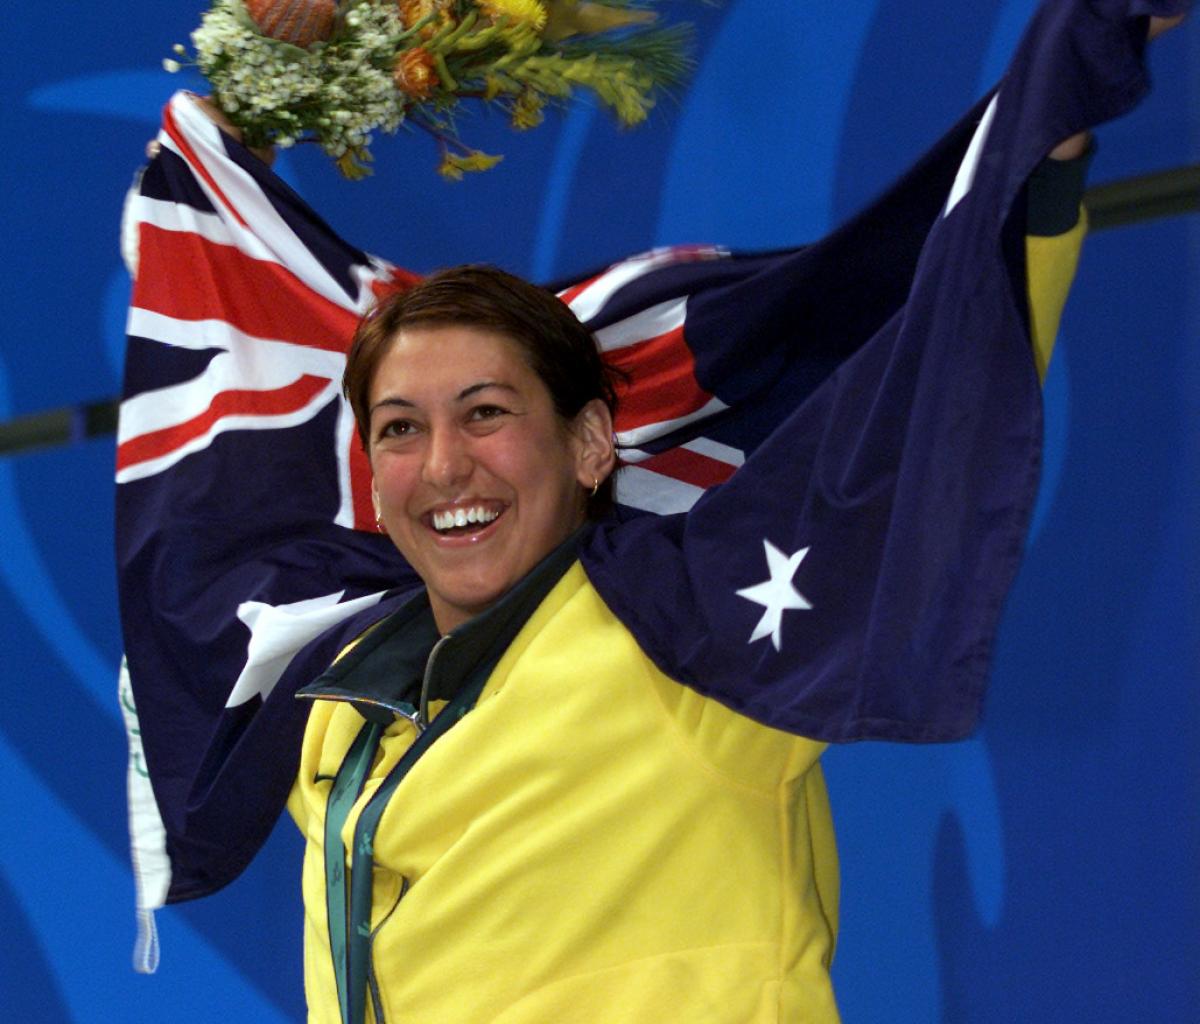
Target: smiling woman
(480, 469)
(456, 785)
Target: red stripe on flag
(196, 164)
(689, 466)
(276, 402)
(360, 468)
(360, 487)
(401, 280)
(219, 282)
(664, 386)
(572, 293)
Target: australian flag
(840, 442)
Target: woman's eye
(487, 412)
(397, 428)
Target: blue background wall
(1046, 870)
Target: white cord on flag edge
(147, 837)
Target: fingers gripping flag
(874, 393)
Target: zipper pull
(406, 711)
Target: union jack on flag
(262, 292)
(277, 363)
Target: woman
(511, 812)
(592, 841)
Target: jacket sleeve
(1056, 225)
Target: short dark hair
(557, 346)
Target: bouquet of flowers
(287, 71)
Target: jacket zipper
(363, 843)
(421, 721)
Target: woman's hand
(214, 113)
(1160, 25)
(217, 116)
(1077, 145)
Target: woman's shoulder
(575, 635)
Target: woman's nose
(447, 459)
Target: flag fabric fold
(856, 423)
(847, 583)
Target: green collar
(382, 675)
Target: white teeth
(462, 517)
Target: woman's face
(476, 477)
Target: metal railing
(1147, 197)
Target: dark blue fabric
(909, 473)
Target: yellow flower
(354, 163)
(414, 11)
(527, 111)
(414, 73)
(521, 12)
(453, 165)
(581, 17)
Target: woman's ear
(376, 506)
(595, 452)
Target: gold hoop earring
(379, 523)
(595, 486)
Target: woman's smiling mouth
(464, 519)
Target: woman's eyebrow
(467, 392)
(391, 400)
(463, 395)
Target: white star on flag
(277, 632)
(776, 594)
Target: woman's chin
(455, 601)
